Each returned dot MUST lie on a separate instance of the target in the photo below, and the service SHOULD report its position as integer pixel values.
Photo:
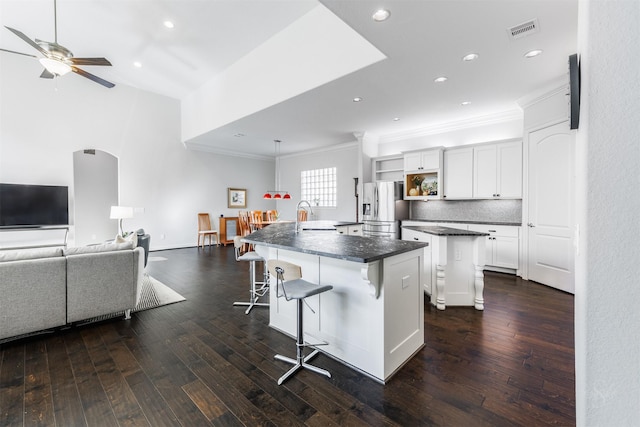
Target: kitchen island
(373, 318)
(453, 264)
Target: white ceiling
(422, 39)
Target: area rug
(155, 294)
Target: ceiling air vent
(524, 29)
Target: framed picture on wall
(237, 197)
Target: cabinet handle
(491, 231)
(415, 238)
(530, 225)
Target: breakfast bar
(373, 319)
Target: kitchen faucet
(297, 209)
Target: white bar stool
(288, 278)
(255, 293)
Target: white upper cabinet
(422, 160)
(458, 173)
(497, 170)
(423, 174)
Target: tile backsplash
(468, 210)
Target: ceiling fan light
(54, 66)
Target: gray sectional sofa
(51, 287)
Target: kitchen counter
(440, 221)
(325, 225)
(314, 241)
(373, 318)
(445, 231)
(452, 273)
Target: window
(319, 187)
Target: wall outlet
(162, 237)
(457, 255)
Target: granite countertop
(517, 224)
(332, 245)
(444, 231)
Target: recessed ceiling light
(381, 15)
(239, 135)
(168, 24)
(395, 119)
(357, 99)
(470, 57)
(465, 103)
(440, 79)
(533, 53)
(137, 64)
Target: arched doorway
(95, 180)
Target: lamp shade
(267, 195)
(120, 212)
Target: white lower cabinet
(417, 236)
(503, 245)
(350, 230)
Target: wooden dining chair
(272, 215)
(205, 230)
(243, 223)
(302, 215)
(255, 220)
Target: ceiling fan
(57, 59)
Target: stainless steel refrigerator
(383, 209)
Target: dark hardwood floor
(204, 362)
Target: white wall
(607, 285)
(345, 158)
(41, 127)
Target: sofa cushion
(23, 254)
(105, 247)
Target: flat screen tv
(574, 91)
(33, 205)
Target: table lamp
(120, 213)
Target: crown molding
(202, 147)
(504, 116)
(337, 147)
(558, 86)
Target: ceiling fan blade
(90, 61)
(46, 74)
(19, 53)
(28, 40)
(90, 76)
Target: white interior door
(550, 210)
